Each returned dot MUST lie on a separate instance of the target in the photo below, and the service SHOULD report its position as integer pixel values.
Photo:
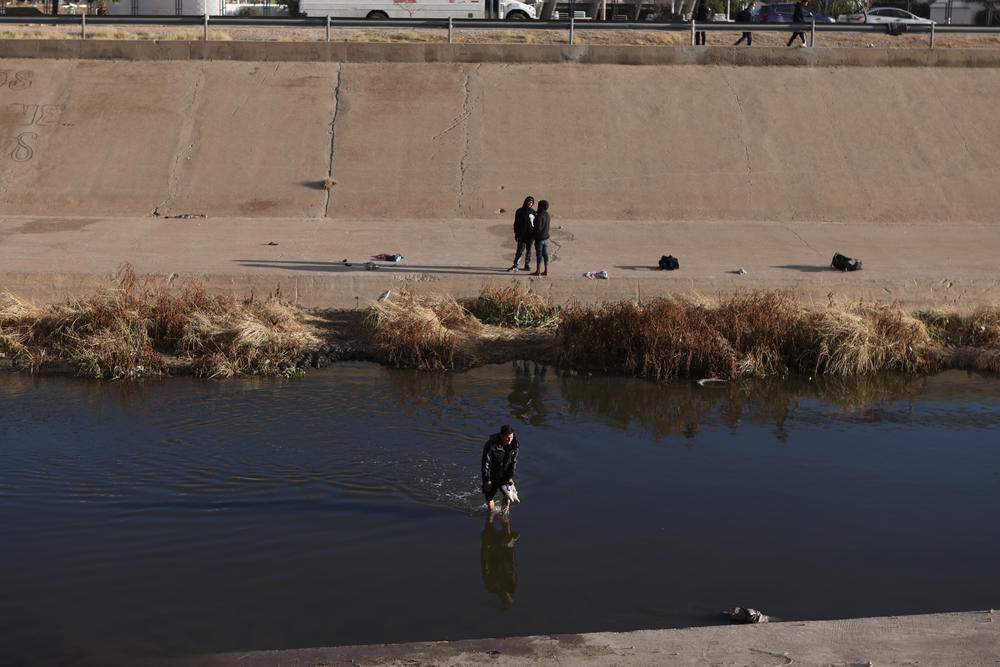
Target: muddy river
(183, 516)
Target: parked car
(782, 13)
(884, 15)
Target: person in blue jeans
(541, 236)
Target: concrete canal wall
(438, 131)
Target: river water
(183, 516)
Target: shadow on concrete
(805, 268)
(638, 268)
(316, 185)
(340, 267)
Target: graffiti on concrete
(16, 114)
(20, 80)
(24, 151)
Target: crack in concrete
(739, 136)
(189, 133)
(333, 135)
(804, 242)
(466, 112)
(780, 656)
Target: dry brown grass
(409, 331)
(757, 335)
(126, 332)
(121, 34)
(513, 306)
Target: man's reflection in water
(527, 396)
(496, 558)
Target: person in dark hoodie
(541, 236)
(498, 464)
(524, 227)
(746, 15)
(799, 16)
(701, 15)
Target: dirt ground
(503, 35)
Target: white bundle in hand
(510, 491)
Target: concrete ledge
(971, 638)
(377, 52)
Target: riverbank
(144, 329)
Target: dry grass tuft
(868, 338)
(328, 183)
(513, 306)
(256, 338)
(420, 332)
(755, 335)
(125, 332)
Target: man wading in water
(499, 463)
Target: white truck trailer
(512, 10)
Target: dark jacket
(701, 12)
(542, 222)
(745, 15)
(524, 222)
(798, 16)
(499, 462)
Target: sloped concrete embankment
(452, 140)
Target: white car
(884, 15)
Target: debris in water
(745, 615)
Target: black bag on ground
(669, 263)
(845, 263)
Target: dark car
(782, 13)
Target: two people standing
(531, 227)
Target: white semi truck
(511, 10)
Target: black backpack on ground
(669, 263)
(845, 263)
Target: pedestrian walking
(541, 238)
(799, 16)
(746, 15)
(524, 228)
(701, 15)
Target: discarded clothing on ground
(669, 263)
(845, 263)
(595, 274)
(745, 615)
(389, 256)
(510, 491)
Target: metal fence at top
(570, 24)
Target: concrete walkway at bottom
(922, 265)
(948, 640)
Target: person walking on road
(746, 15)
(541, 237)
(498, 464)
(799, 16)
(524, 228)
(701, 15)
